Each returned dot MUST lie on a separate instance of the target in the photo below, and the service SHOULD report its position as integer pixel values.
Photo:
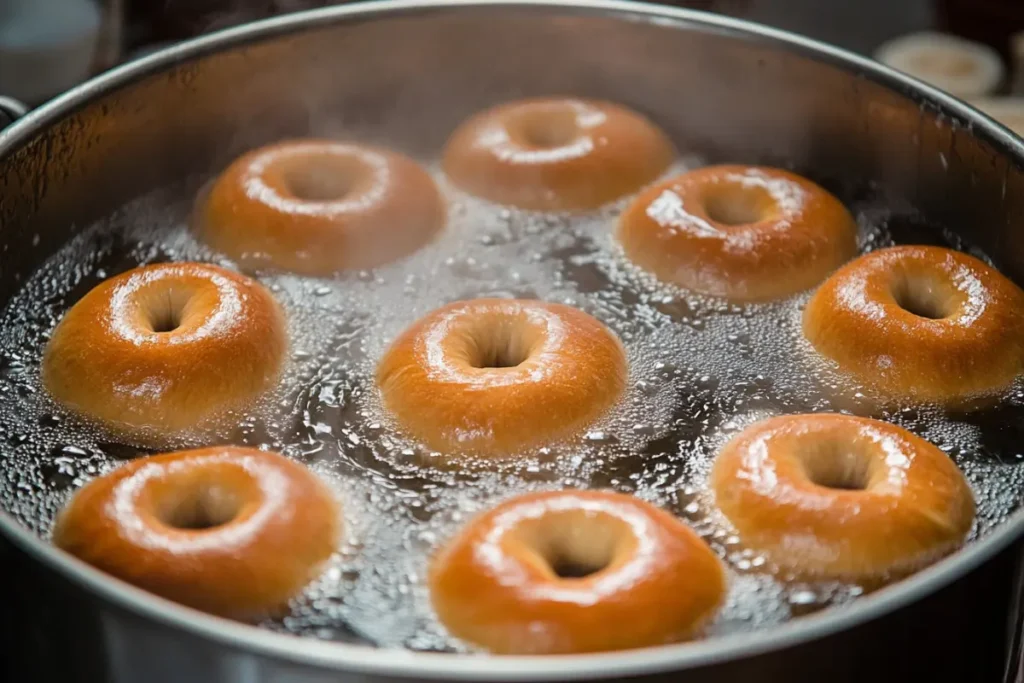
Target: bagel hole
(577, 545)
(323, 179)
(836, 466)
(500, 357)
(503, 347)
(202, 509)
(571, 568)
(166, 320)
(167, 310)
(549, 127)
(924, 297)
(737, 205)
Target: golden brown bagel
(232, 531)
(575, 571)
(556, 154)
(745, 233)
(840, 496)
(495, 376)
(166, 348)
(920, 324)
(317, 207)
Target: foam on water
(700, 370)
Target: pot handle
(10, 111)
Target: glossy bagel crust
(556, 154)
(920, 324)
(841, 496)
(745, 233)
(318, 207)
(650, 580)
(496, 376)
(232, 531)
(166, 348)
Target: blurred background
(47, 46)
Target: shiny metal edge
(418, 665)
(11, 109)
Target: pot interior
(108, 182)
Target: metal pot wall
(726, 89)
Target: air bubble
(803, 597)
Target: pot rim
(425, 665)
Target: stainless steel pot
(730, 90)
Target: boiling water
(700, 370)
